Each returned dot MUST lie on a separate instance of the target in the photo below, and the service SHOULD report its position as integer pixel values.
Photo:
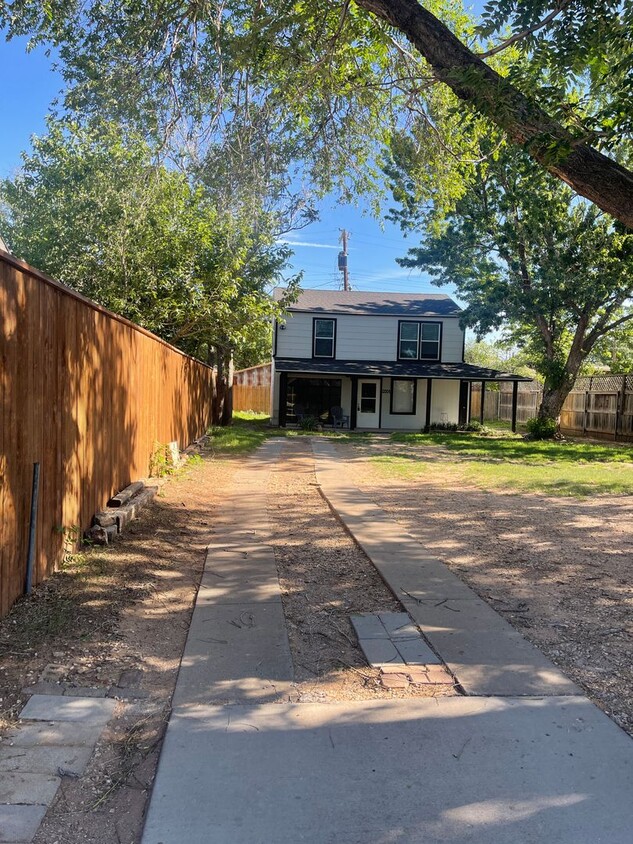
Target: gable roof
(363, 302)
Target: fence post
(619, 407)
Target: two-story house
(391, 361)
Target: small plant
(443, 426)
(541, 428)
(159, 461)
(475, 426)
(309, 423)
(71, 536)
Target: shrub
(443, 426)
(309, 423)
(541, 427)
(475, 425)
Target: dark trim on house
(323, 319)
(462, 409)
(483, 402)
(427, 416)
(393, 412)
(393, 369)
(380, 405)
(283, 398)
(420, 323)
(352, 415)
(515, 398)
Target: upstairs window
(323, 338)
(419, 340)
(429, 341)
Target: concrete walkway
(523, 757)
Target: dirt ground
(325, 578)
(560, 570)
(117, 615)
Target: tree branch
(519, 36)
(590, 173)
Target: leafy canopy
(92, 207)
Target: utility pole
(342, 261)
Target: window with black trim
(419, 340)
(403, 392)
(323, 337)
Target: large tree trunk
(589, 172)
(554, 399)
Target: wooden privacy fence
(598, 406)
(87, 395)
(251, 388)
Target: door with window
(368, 406)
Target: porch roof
(395, 369)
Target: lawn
(249, 430)
(512, 463)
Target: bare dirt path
(325, 578)
(560, 570)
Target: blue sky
(29, 85)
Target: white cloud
(308, 243)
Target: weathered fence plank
(86, 394)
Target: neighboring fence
(598, 406)
(601, 406)
(87, 395)
(251, 388)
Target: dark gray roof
(395, 369)
(382, 304)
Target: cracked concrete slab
(76, 709)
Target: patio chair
(300, 412)
(339, 420)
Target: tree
(328, 83)
(499, 356)
(612, 353)
(528, 256)
(93, 208)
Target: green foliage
(310, 423)
(271, 102)
(498, 356)
(94, 208)
(541, 427)
(528, 256)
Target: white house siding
(362, 337)
(445, 400)
(398, 422)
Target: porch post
(283, 398)
(515, 393)
(352, 414)
(427, 419)
(483, 402)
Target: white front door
(368, 404)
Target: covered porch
(380, 396)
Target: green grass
(250, 429)
(514, 447)
(511, 463)
(557, 479)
